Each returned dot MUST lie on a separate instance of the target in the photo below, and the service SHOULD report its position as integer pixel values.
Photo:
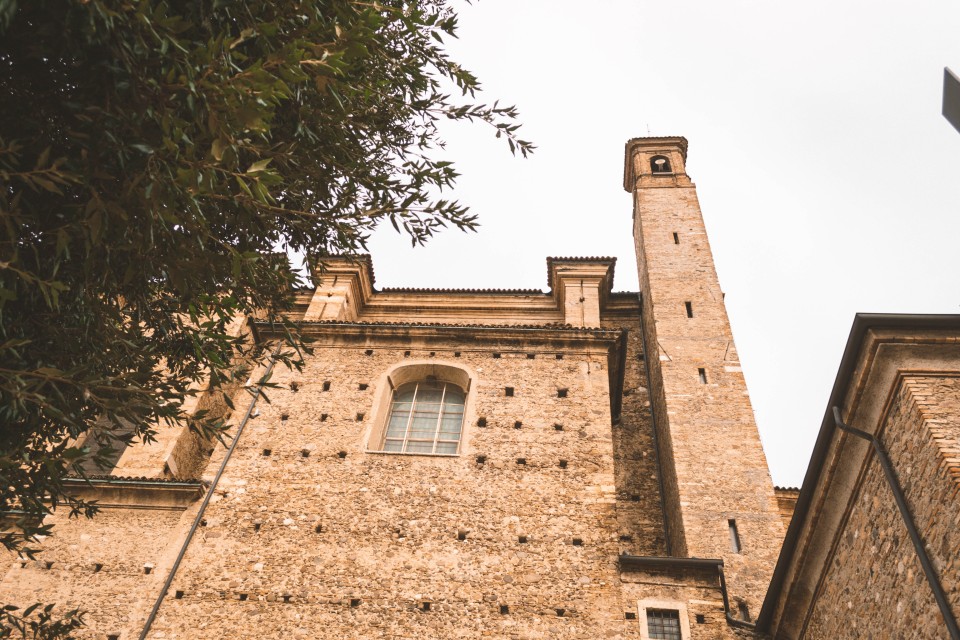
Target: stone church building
(515, 464)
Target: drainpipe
(732, 621)
(893, 482)
(206, 498)
(656, 441)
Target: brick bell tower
(719, 497)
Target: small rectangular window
(689, 308)
(676, 238)
(734, 536)
(663, 624)
(508, 391)
(703, 375)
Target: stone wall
(694, 592)
(874, 585)
(99, 566)
(714, 468)
(367, 545)
(637, 478)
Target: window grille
(425, 417)
(663, 624)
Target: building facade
(516, 464)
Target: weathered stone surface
(714, 468)
(875, 580)
(608, 447)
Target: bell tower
(719, 497)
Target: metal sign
(951, 98)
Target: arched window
(660, 164)
(426, 416)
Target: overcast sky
(827, 176)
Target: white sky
(826, 174)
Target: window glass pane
(405, 393)
(428, 394)
(451, 424)
(423, 425)
(393, 445)
(454, 395)
(397, 426)
(422, 413)
(420, 447)
(427, 408)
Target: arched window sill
(413, 453)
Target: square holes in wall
(508, 391)
(561, 393)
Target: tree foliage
(159, 161)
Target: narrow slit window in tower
(676, 238)
(734, 536)
(703, 375)
(689, 307)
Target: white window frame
(409, 370)
(437, 427)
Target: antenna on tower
(648, 128)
